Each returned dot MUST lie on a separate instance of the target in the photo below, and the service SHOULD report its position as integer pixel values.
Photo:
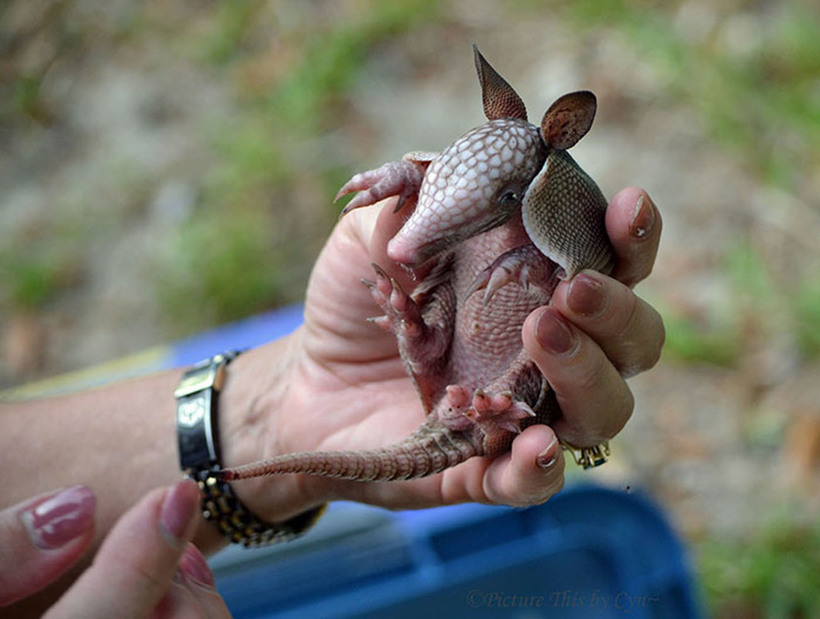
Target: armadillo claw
(381, 321)
(524, 265)
(396, 178)
(402, 314)
(492, 412)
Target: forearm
(117, 439)
(120, 439)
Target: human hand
(345, 386)
(145, 565)
(597, 332)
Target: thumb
(42, 538)
(136, 563)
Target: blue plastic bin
(588, 552)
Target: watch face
(191, 412)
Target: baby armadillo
(503, 209)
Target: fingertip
(634, 226)
(547, 458)
(179, 512)
(56, 520)
(533, 472)
(633, 217)
(131, 578)
(537, 450)
(644, 217)
(548, 334)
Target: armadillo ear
(499, 98)
(563, 212)
(568, 119)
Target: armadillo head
(474, 185)
(484, 178)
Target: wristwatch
(197, 415)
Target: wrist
(254, 405)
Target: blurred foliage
(771, 574)
(806, 314)
(32, 278)
(289, 87)
(753, 79)
(40, 263)
(263, 204)
(753, 307)
(693, 342)
(224, 266)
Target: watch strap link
(221, 506)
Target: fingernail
(60, 518)
(643, 217)
(194, 565)
(586, 296)
(548, 457)
(554, 334)
(179, 508)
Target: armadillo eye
(509, 199)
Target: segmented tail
(426, 452)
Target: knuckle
(641, 344)
(614, 423)
(555, 482)
(606, 407)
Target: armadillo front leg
(422, 332)
(524, 265)
(396, 178)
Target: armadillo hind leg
(430, 450)
(493, 413)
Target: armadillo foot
(524, 265)
(421, 344)
(396, 178)
(402, 314)
(493, 413)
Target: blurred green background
(168, 166)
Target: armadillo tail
(427, 452)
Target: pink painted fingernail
(54, 522)
(179, 507)
(195, 566)
(554, 334)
